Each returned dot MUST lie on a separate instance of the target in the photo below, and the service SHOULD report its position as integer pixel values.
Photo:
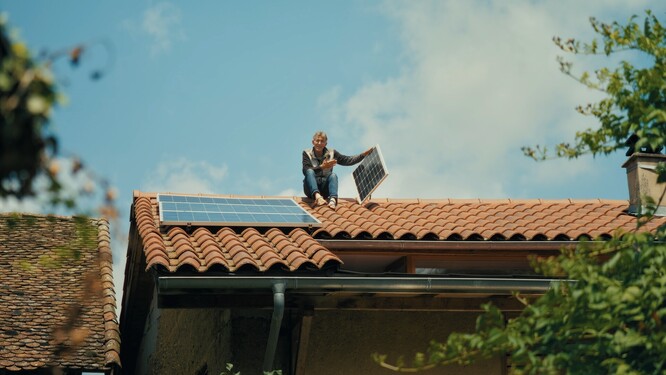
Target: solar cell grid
(369, 174)
(196, 210)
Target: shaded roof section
(202, 248)
(57, 300)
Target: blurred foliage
(27, 95)
(607, 315)
(30, 159)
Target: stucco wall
(250, 329)
(342, 342)
(191, 341)
(148, 341)
(202, 341)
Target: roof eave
(432, 247)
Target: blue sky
(222, 97)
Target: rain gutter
(175, 285)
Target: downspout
(276, 322)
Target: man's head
(319, 141)
(320, 133)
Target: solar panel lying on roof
(369, 174)
(263, 212)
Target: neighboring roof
(46, 307)
(203, 248)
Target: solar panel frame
(231, 212)
(370, 173)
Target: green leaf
(631, 294)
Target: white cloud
(290, 192)
(186, 176)
(162, 23)
(481, 81)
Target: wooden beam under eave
(399, 265)
(410, 264)
(305, 327)
(356, 301)
(416, 303)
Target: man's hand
(328, 164)
(368, 151)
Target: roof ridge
(449, 200)
(45, 216)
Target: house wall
(250, 329)
(148, 340)
(202, 341)
(341, 342)
(187, 341)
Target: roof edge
(138, 193)
(111, 326)
(413, 246)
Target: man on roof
(320, 183)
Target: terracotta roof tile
(406, 219)
(171, 248)
(35, 298)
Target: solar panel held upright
(369, 174)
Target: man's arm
(351, 160)
(307, 164)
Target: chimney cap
(642, 182)
(649, 157)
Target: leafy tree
(608, 314)
(635, 102)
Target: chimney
(642, 180)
